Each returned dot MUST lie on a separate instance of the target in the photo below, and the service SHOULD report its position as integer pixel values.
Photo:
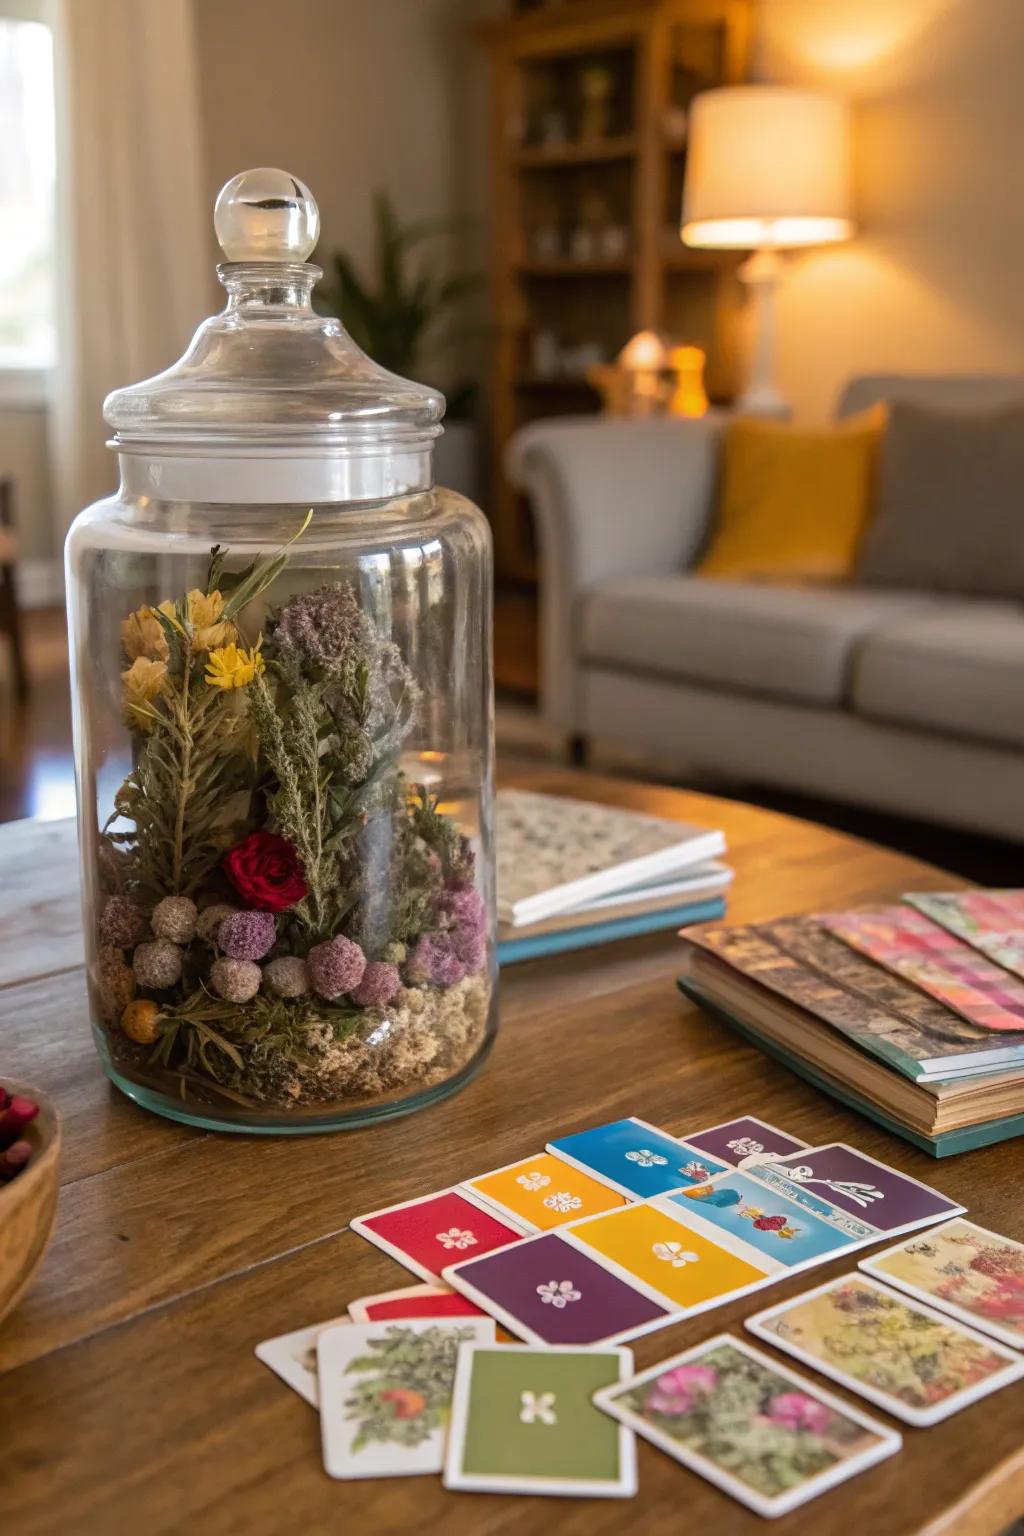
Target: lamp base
(761, 273)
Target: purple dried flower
(247, 935)
(323, 626)
(379, 984)
(335, 967)
(465, 907)
(471, 947)
(121, 923)
(435, 960)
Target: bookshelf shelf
(608, 83)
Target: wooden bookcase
(657, 54)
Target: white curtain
(134, 232)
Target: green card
(523, 1421)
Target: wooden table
(132, 1400)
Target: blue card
(636, 1158)
(764, 1219)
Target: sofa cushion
(786, 641)
(949, 503)
(958, 670)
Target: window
(27, 195)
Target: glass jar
(283, 719)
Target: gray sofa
(905, 701)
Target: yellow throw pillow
(793, 502)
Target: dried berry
(157, 964)
(286, 977)
(210, 919)
(139, 1021)
(236, 981)
(335, 967)
(379, 984)
(174, 918)
(121, 923)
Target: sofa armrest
(610, 498)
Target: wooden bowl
(28, 1203)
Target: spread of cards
(624, 1228)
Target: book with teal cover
(946, 1144)
(587, 935)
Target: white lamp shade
(767, 166)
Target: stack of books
(912, 1013)
(572, 874)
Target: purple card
(746, 1137)
(550, 1293)
(879, 1195)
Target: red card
(428, 1234)
(451, 1305)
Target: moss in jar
(296, 923)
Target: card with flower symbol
(753, 1428)
(292, 1356)
(652, 1248)
(523, 1421)
(791, 1235)
(635, 1158)
(898, 1353)
(973, 1274)
(736, 1140)
(543, 1192)
(875, 1194)
(411, 1301)
(548, 1292)
(426, 1234)
(386, 1393)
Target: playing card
(898, 1353)
(635, 1158)
(385, 1393)
(428, 1233)
(871, 1191)
(788, 1234)
(411, 1301)
(543, 1192)
(523, 1421)
(755, 1429)
(962, 1269)
(549, 1292)
(292, 1356)
(736, 1140)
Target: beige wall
(933, 281)
(351, 95)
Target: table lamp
(767, 169)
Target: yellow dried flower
(203, 611)
(232, 666)
(142, 635)
(143, 681)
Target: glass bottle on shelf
(281, 665)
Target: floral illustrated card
(292, 1356)
(386, 1393)
(898, 1353)
(962, 1269)
(523, 1421)
(753, 1428)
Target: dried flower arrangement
(286, 920)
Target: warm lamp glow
(767, 168)
(643, 352)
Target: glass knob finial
(266, 215)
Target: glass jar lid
(270, 381)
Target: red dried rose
(266, 872)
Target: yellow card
(543, 1192)
(678, 1263)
